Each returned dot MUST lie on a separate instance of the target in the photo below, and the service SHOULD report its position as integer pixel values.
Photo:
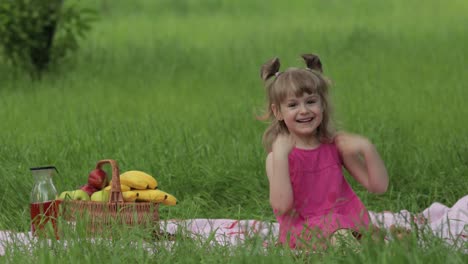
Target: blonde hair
(297, 81)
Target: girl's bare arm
(361, 159)
(281, 196)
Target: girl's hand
(350, 144)
(283, 145)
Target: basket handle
(116, 191)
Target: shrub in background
(36, 33)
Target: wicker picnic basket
(99, 216)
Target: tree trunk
(41, 53)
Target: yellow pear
(100, 196)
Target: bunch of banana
(145, 186)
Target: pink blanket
(448, 223)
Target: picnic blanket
(448, 223)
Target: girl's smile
(306, 120)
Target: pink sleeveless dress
(323, 200)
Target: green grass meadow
(172, 88)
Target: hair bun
(313, 62)
(270, 68)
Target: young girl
(308, 192)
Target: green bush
(35, 34)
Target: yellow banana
(170, 200)
(123, 187)
(155, 196)
(135, 184)
(138, 180)
(130, 196)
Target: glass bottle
(43, 203)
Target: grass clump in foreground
(141, 246)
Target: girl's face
(302, 115)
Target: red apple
(89, 189)
(97, 179)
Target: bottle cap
(44, 168)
